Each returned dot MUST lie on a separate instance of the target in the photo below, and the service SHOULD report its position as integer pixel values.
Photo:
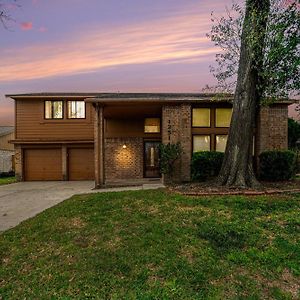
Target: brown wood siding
(81, 163)
(31, 124)
(42, 164)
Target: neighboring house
(294, 111)
(7, 133)
(105, 137)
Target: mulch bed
(210, 188)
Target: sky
(106, 46)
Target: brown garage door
(42, 164)
(81, 164)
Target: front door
(151, 159)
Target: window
(76, 109)
(221, 141)
(53, 109)
(223, 117)
(201, 117)
(152, 125)
(201, 143)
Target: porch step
(133, 182)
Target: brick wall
(176, 127)
(18, 163)
(123, 163)
(272, 128)
(6, 160)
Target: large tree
(260, 59)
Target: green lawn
(7, 180)
(155, 245)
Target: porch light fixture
(124, 146)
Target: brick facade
(176, 127)
(272, 129)
(123, 163)
(6, 160)
(19, 163)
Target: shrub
(7, 174)
(277, 165)
(206, 164)
(293, 133)
(169, 153)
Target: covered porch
(126, 143)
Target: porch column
(64, 154)
(99, 146)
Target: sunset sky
(106, 46)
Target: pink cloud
(26, 25)
(42, 29)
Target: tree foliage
(293, 133)
(280, 69)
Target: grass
(155, 245)
(7, 180)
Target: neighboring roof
(56, 94)
(5, 130)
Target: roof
(129, 97)
(135, 97)
(5, 130)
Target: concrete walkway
(23, 200)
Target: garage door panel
(81, 164)
(43, 164)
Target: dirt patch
(188, 252)
(114, 243)
(287, 282)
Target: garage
(81, 164)
(42, 164)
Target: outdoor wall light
(124, 146)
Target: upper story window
(223, 117)
(152, 125)
(76, 110)
(54, 109)
(201, 117)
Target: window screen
(76, 109)
(152, 125)
(53, 109)
(221, 141)
(201, 117)
(223, 117)
(201, 143)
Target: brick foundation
(124, 163)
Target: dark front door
(151, 158)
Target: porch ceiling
(131, 111)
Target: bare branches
(280, 68)
(5, 7)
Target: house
(106, 137)
(7, 152)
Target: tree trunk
(237, 168)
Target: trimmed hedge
(7, 174)
(206, 164)
(277, 165)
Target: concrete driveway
(23, 200)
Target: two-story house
(106, 137)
